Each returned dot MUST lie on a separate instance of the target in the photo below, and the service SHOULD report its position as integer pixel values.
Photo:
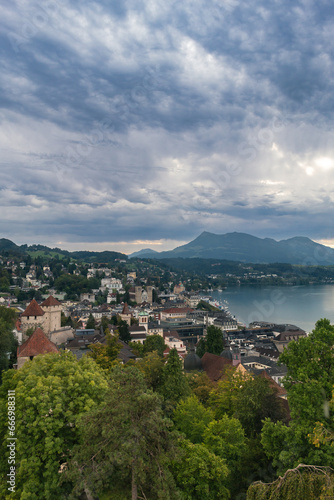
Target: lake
(298, 305)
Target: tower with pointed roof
(32, 317)
(125, 314)
(52, 308)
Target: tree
(309, 383)
(155, 343)
(8, 343)
(105, 355)
(137, 348)
(131, 449)
(201, 385)
(222, 398)
(175, 385)
(255, 401)
(200, 474)
(304, 481)
(50, 392)
(91, 322)
(310, 376)
(123, 331)
(151, 366)
(201, 347)
(226, 439)
(192, 418)
(212, 343)
(104, 323)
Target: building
(87, 296)
(36, 344)
(46, 316)
(175, 313)
(138, 333)
(52, 308)
(143, 320)
(125, 314)
(32, 317)
(140, 295)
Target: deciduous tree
(50, 392)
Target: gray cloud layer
(151, 120)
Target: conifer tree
(175, 385)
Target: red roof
(38, 343)
(214, 365)
(177, 310)
(50, 301)
(126, 309)
(33, 309)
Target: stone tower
(138, 292)
(32, 317)
(52, 308)
(125, 314)
(149, 290)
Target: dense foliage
(8, 343)
(50, 393)
(149, 430)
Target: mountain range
(243, 247)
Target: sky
(139, 124)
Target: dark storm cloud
(147, 120)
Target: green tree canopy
(304, 482)
(50, 392)
(225, 438)
(8, 343)
(200, 474)
(155, 343)
(152, 366)
(123, 331)
(126, 442)
(192, 418)
(213, 342)
(105, 355)
(91, 322)
(174, 383)
(309, 383)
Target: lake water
(298, 305)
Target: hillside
(8, 248)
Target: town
(76, 334)
(74, 304)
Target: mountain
(145, 252)
(246, 248)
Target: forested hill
(9, 248)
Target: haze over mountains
(246, 248)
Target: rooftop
(33, 309)
(38, 343)
(50, 301)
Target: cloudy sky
(132, 124)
